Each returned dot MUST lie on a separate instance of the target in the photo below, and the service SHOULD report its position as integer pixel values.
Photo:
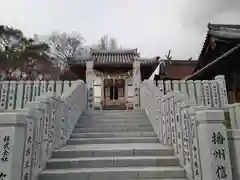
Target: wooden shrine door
(114, 92)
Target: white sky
(153, 26)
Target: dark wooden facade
(179, 69)
(220, 55)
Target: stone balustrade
(209, 93)
(15, 94)
(192, 123)
(29, 135)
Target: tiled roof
(221, 31)
(224, 31)
(148, 61)
(114, 57)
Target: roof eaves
(204, 44)
(117, 51)
(223, 26)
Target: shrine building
(114, 77)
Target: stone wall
(29, 135)
(189, 116)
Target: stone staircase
(113, 145)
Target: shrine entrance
(114, 94)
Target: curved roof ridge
(147, 58)
(114, 51)
(219, 26)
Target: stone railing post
(234, 115)
(213, 142)
(136, 83)
(89, 83)
(20, 95)
(185, 142)
(168, 87)
(191, 90)
(176, 85)
(183, 87)
(222, 89)
(59, 88)
(12, 137)
(207, 93)
(11, 95)
(160, 86)
(215, 94)
(4, 94)
(199, 92)
(35, 91)
(158, 116)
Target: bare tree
(169, 57)
(105, 45)
(113, 44)
(65, 47)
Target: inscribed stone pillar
(213, 143)
(59, 88)
(207, 93)
(183, 87)
(191, 90)
(168, 86)
(89, 83)
(12, 139)
(176, 85)
(161, 87)
(222, 89)
(234, 114)
(215, 94)
(136, 83)
(199, 92)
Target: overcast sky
(152, 26)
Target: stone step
(112, 124)
(159, 179)
(109, 150)
(113, 129)
(116, 173)
(112, 140)
(100, 162)
(116, 112)
(114, 121)
(120, 116)
(113, 134)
